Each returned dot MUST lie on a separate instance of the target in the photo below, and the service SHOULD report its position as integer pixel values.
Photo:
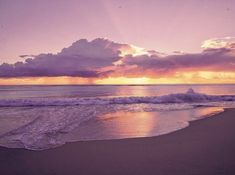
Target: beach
(205, 147)
(115, 87)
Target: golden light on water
(144, 122)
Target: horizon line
(152, 84)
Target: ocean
(44, 117)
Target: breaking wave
(189, 97)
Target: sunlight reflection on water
(139, 124)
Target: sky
(142, 41)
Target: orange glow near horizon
(44, 81)
(201, 77)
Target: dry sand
(207, 147)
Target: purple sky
(47, 26)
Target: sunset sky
(117, 41)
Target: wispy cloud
(216, 43)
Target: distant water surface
(109, 90)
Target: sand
(206, 147)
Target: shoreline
(206, 146)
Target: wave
(189, 97)
(55, 124)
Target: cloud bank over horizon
(82, 59)
(101, 58)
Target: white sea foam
(47, 126)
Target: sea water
(43, 117)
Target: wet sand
(206, 147)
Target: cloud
(27, 56)
(82, 58)
(211, 59)
(102, 58)
(216, 43)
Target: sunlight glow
(123, 80)
(199, 77)
(134, 50)
(45, 81)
